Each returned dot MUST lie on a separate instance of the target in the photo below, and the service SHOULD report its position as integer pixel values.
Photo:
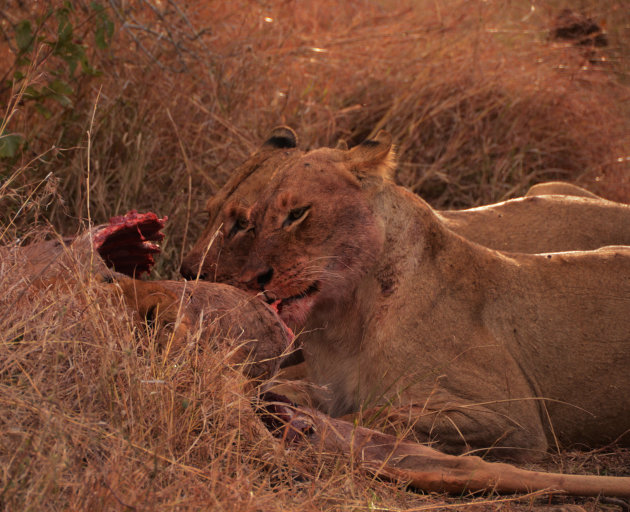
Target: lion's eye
(295, 215)
(241, 224)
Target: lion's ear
(211, 208)
(281, 137)
(374, 157)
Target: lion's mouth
(284, 306)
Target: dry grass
(481, 104)
(97, 418)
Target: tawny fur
(475, 348)
(225, 241)
(560, 188)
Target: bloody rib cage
(127, 244)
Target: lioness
(528, 224)
(474, 348)
(543, 223)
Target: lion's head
(226, 240)
(310, 245)
(532, 224)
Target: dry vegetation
(481, 103)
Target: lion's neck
(332, 344)
(420, 263)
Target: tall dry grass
(480, 102)
(96, 417)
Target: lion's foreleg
(459, 426)
(424, 467)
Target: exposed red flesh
(127, 243)
(275, 306)
(284, 419)
(294, 310)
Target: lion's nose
(257, 279)
(264, 278)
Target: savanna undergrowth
(481, 100)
